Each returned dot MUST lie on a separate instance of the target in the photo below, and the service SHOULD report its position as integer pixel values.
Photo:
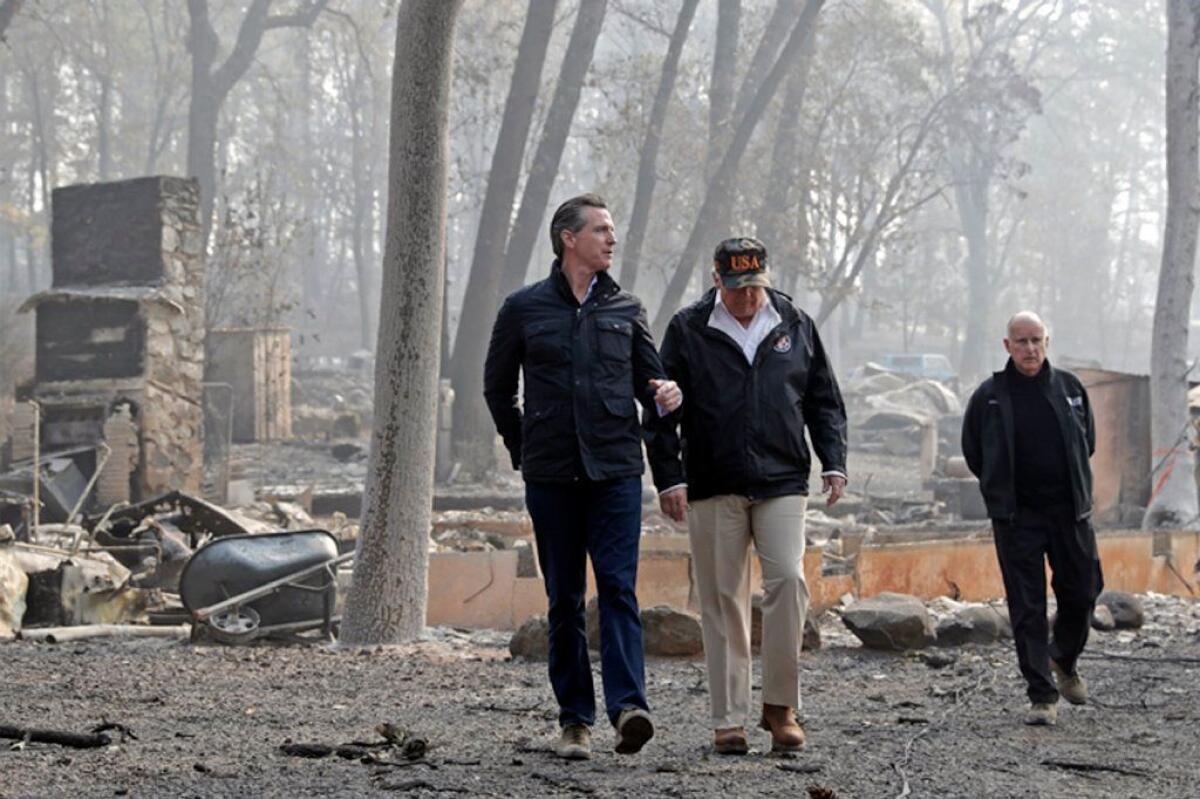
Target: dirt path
(209, 721)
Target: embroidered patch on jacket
(1075, 402)
(783, 343)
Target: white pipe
(61, 635)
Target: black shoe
(634, 728)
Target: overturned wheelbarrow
(243, 587)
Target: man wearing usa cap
(755, 375)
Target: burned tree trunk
(722, 180)
(387, 603)
(720, 87)
(1173, 499)
(773, 209)
(473, 432)
(639, 217)
(211, 84)
(472, 425)
(576, 62)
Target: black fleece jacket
(991, 428)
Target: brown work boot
(786, 734)
(1042, 714)
(575, 743)
(634, 728)
(731, 741)
(1072, 687)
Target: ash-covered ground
(210, 721)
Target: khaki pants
(721, 529)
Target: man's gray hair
(570, 216)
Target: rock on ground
(974, 624)
(531, 640)
(896, 622)
(671, 632)
(1127, 610)
(1102, 619)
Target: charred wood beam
(78, 740)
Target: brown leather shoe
(786, 734)
(731, 741)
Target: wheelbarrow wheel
(235, 626)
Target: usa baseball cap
(742, 262)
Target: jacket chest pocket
(1077, 412)
(548, 342)
(614, 339)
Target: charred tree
(576, 62)
(783, 175)
(387, 603)
(774, 35)
(473, 432)
(721, 182)
(211, 83)
(472, 425)
(643, 198)
(720, 88)
(1173, 499)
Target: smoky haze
(917, 170)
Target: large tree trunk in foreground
(722, 181)
(472, 423)
(387, 603)
(639, 217)
(1173, 498)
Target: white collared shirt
(749, 337)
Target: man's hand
(834, 485)
(667, 394)
(673, 503)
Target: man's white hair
(1026, 316)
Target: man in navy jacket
(587, 355)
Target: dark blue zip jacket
(584, 366)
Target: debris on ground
(951, 731)
(77, 740)
(398, 746)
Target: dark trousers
(1023, 546)
(602, 519)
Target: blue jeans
(602, 519)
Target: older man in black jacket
(1027, 435)
(755, 376)
(587, 355)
